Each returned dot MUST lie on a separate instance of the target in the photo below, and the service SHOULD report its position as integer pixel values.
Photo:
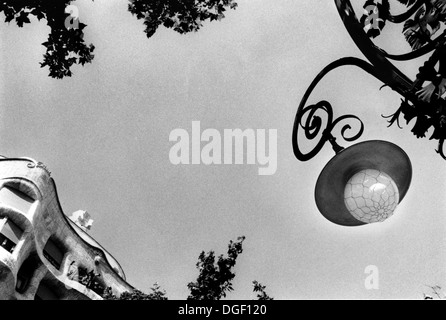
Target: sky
(104, 135)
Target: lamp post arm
(386, 71)
(313, 123)
(428, 113)
(406, 15)
(416, 53)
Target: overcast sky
(104, 135)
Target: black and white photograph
(222, 150)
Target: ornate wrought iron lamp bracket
(428, 114)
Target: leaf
(38, 13)
(421, 126)
(9, 18)
(22, 18)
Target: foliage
(156, 294)
(215, 277)
(260, 289)
(181, 15)
(417, 30)
(66, 46)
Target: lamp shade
(377, 155)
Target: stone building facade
(45, 255)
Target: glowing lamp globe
(364, 183)
(371, 196)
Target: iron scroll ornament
(428, 115)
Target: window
(91, 280)
(16, 199)
(10, 234)
(53, 253)
(45, 293)
(26, 273)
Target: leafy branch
(215, 276)
(66, 47)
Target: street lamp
(365, 182)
